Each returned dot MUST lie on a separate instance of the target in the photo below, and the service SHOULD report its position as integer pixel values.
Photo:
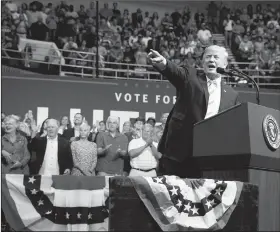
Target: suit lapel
(224, 96)
(41, 155)
(203, 82)
(44, 145)
(60, 147)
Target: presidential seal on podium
(271, 132)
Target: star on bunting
(187, 207)
(218, 191)
(194, 210)
(31, 180)
(158, 180)
(67, 215)
(208, 203)
(40, 202)
(179, 204)
(174, 191)
(34, 191)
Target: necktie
(212, 83)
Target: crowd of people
(126, 37)
(123, 37)
(57, 148)
(254, 37)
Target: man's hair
(140, 119)
(151, 119)
(102, 122)
(217, 47)
(53, 119)
(113, 118)
(79, 114)
(147, 125)
(126, 122)
(222, 49)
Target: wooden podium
(237, 144)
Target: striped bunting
(55, 203)
(188, 204)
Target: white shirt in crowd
(76, 133)
(50, 163)
(185, 50)
(132, 39)
(214, 97)
(204, 35)
(146, 159)
(229, 25)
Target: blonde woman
(84, 153)
(157, 133)
(14, 153)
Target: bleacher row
(56, 39)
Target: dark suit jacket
(65, 159)
(68, 133)
(191, 107)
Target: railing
(140, 72)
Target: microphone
(236, 72)
(224, 71)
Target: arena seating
(67, 40)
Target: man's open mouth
(211, 66)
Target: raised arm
(177, 75)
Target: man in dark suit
(71, 133)
(53, 152)
(198, 97)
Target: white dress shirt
(76, 133)
(214, 101)
(50, 163)
(146, 159)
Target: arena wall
(97, 99)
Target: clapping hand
(7, 156)
(66, 172)
(17, 164)
(149, 142)
(121, 152)
(107, 147)
(72, 139)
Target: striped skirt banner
(178, 204)
(55, 203)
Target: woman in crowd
(64, 124)
(84, 154)
(157, 133)
(228, 26)
(43, 130)
(14, 154)
(126, 127)
(156, 20)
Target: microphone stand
(253, 81)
